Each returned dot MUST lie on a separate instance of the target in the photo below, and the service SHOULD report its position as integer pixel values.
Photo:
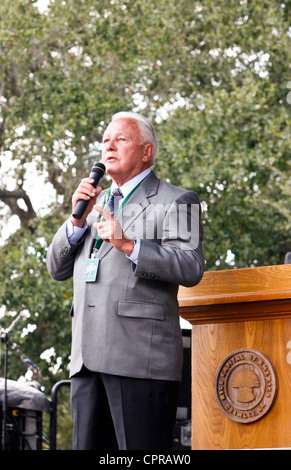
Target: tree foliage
(212, 76)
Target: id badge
(91, 270)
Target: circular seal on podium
(246, 385)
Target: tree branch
(11, 197)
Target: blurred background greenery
(214, 78)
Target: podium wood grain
(232, 310)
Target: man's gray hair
(147, 130)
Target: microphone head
(98, 166)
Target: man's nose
(110, 145)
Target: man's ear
(148, 152)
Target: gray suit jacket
(127, 322)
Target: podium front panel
(214, 429)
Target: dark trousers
(120, 413)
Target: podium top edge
(239, 285)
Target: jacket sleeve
(61, 255)
(177, 257)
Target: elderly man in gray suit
(127, 354)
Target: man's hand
(109, 229)
(87, 192)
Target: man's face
(123, 154)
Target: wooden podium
(241, 358)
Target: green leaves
(234, 152)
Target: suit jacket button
(64, 252)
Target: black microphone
(97, 173)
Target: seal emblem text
(246, 385)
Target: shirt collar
(127, 187)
